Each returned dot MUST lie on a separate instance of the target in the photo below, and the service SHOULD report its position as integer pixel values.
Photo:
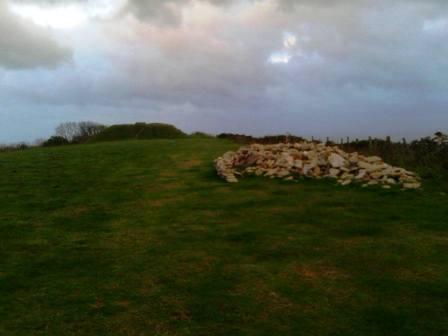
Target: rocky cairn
(290, 161)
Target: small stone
(252, 159)
(370, 168)
(391, 181)
(313, 163)
(412, 185)
(298, 164)
(373, 159)
(282, 173)
(354, 158)
(306, 169)
(362, 174)
(336, 161)
(334, 172)
(376, 175)
(285, 161)
(232, 179)
(344, 182)
(347, 176)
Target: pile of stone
(291, 161)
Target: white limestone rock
(288, 161)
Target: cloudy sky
(308, 67)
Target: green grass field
(141, 238)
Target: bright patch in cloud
(284, 56)
(67, 16)
(64, 17)
(289, 40)
(280, 58)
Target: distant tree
(13, 147)
(22, 146)
(79, 131)
(440, 138)
(39, 142)
(88, 129)
(67, 130)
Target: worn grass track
(141, 238)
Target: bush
(270, 139)
(426, 156)
(55, 141)
(201, 135)
(139, 131)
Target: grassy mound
(139, 131)
(142, 238)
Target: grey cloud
(359, 68)
(23, 45)
(169, 12)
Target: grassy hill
(141, 238)
(141, 131)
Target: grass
(141, 238)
